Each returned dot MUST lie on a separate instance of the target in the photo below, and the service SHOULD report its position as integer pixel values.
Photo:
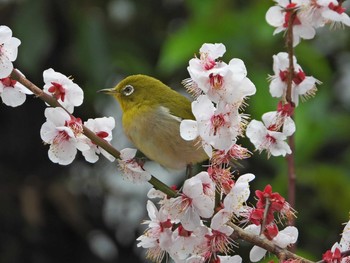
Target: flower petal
(188, 130)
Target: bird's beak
(108, 91)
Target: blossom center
(291, 15)
(183, 232)
(216, 81)
(207, 62)
(218, 242)
(8, 82)
(221, 177)
(217, 121)
(185, 202)
(270, 138)
(58, 91)
(75, 124)
(165, 224)
(298, 77)
(60, 137)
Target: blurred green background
(87, 213)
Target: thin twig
(266, 211)
(290, 157)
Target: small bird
(152, 113)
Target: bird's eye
(128, 90)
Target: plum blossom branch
(281, 253)
(54, 103)
(195, 224)
(16, 75)
(290, 50)
(291, 70)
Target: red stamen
(283, 75)
(299, 77)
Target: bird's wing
(179, 106)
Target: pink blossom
(12, 92)
(196, 201)
(269, 136)
(102, 127)
(131, 168)
(234, 202)
(64, 134)
(218, 80)
(186, 243)
(302, 85)
(279, 16)
(157, 238)
(218, 237)
(217, 126)
(63, 89)
(323, 12)
(8, 51)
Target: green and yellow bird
(152, 113)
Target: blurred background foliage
(87, 213)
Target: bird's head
(137, 89)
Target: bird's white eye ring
(128, 90)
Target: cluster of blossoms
(268, 206)
(197, 224)
(12, 93)
(289, 81)
(271, 133)
(193, 227)
(63, 131)
(306, 16)
(334, 255)
(276, 126)
(220, 90)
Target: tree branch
(290, 157)
(87, 132)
